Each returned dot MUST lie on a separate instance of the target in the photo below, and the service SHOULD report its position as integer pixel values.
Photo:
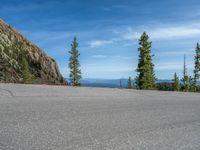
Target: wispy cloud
(174, 33)
(157, 32)
(99, 56)
(99, 43)
(164, 32)
(115, 57)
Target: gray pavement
(40, 117)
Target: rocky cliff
(23, 62)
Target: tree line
(146, 78)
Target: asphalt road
(40, 117)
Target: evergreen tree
(185, 78)
(197, 64)
(27, 77)
(176, 84)
(192, 86)
(129, 83)
(146, 75)
(74, 65)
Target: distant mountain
(20, 59)
(111, 83)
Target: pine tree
(26, 75)
(129, 83)
(176, 84)
(74, 65)
(185, 78)
(191, 82)
(197, 64)
(146, 75)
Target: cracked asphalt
(41, 117)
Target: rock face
(14, 48)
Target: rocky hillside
(23, 62)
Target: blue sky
(108, 32)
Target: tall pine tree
(146, 75)
(197, 64)
(176, 84)
(74, 65)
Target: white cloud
(163, 33)
(174, 32)
(114, 58)
(157, 32)
(99, 43)
(127, 35)
(99, 56)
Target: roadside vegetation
(15, 64)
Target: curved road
(40, 117)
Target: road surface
(41, 117)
